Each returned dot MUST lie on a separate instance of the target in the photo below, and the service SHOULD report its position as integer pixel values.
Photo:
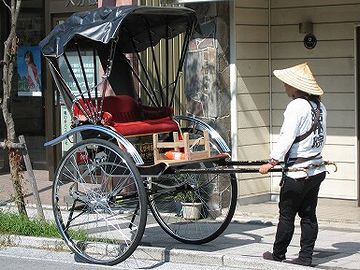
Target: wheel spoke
(214, 196)
(103, 225)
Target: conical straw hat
(300, 77)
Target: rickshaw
(115, 71)
(107, 183)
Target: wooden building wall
(260, 96)
(253, 106)
(332, 61)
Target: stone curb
(252, 263)
(158, 254)
(245, 217)
(323, 224)
(33, 242)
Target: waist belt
(297, 160)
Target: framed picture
(29, 71)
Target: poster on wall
(29, 71)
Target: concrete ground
(251, 233)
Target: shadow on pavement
(340, 250)
(237, 234)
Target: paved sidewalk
(250, 234)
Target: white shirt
(298, 119)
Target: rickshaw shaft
(221, 170)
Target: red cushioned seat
(148, 126)
(128, 117)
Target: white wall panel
(325, 67)
(247, 85)
(310, 3)
(332, 62)
(247, 102)
(323, 14)
(251, 3)
(248, 16)
(251, 50)
(252, 68)
(252, 54)
(252, 33)
(250, 119)
(338, 189)
(254, 152)
(254, 186)
(323, 49)
(333, 101)
(325, 31)
(253, 136)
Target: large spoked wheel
(194, 208)
(105, 213)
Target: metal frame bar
(107, 74)
(182, 60)
(204, 126)
(142, 84)
(86, 107)
(83, 69)
(167, 98)
(91, 107)
(112, 134)
(154, 60)
(95, 82)
(167, 65)
(153, 93)
(61, 84)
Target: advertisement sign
(65, 127)
(29, 71)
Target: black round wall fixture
(310, 41)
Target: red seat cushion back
(157, 112)
(122, 108)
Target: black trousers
(298, 196)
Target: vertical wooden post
(32, 178)
(176, 139)
(186, 145)
(207, 143)
(155, 148)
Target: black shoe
(271, 257)
(299, 261)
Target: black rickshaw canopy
(130, 24)
(107, 34)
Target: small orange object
(175, 155)
(106, 118)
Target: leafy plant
(187, 196)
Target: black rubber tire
(166, 212)
(100, 203)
